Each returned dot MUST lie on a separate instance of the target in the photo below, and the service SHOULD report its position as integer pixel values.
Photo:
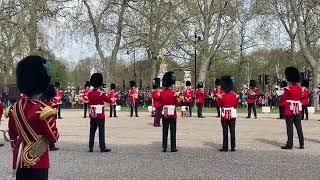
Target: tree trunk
(116, 47)
(33, 28)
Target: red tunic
(98, 97)
(200, 96)
(23, 96)
(217, 94)
(255, 92)
(47, 128)
(84, 95)
(134, 96)
(293, 93)
(229, 100)
(58, 98)
(114, 96)
(156, 98)
(305, 96)
(1, 110)
(188, 95)
(169, 97)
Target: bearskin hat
(200, 85)
(132, 84)
(292, 74)
(96, 80)
(305, 83)
(227, 83)
(188, 83)
(57, 84)
(50, 93)
(87, 84)
(169, 78)
(253, 83)
(33, 75)
(113, 86)
(217, 82)
(156, 83)
(283, 84)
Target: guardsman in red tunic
(305, 98)
(169, 102)
(217, 94)
(280, 92)
(32, 125)
(114, 96)
(97, 98)
(84, 98)
(252, 95)
(229, 105)
(291, 100)
(188, 96)
(58, 98)
(156, 101)
(200, 98)
(133, 95)
(47, 99)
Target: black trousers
(85, 109)
(281, 112)
(59, 111)
(305, 111)
(32, 173)
(190, 104)
(253, 107)
(157, 116)
(51, 146)
(218, 110)
(113, 110)
(165, 130)
(94, 124)
(135, 107)
(199, 107)
(296, 121)
(229, 125)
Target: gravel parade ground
(136, 150)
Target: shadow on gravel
(267, 141)
(212, 145)
(312, 140)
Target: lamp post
(197, 37)
(134, 64)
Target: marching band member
(188, 95)
(169, 101)
(134, 95)
(84, 98)
(32, 125)
(58, 98)
(47, 99)
(305, 98)
(97, 97)
(200, 98)
(156, 101)
(114, 96)
(229, 104)
(292, 106)
(217, 94)
(280, 92)
(252, 95)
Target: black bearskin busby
(169, 79)
(305, 83)
(217, 82)
(227, 84)
(283, 84)
(132, 84)
(188, 83)
(87, 85)
(156, 83)
(292, 74)
(113, 86)
(200, 85)
(96, 80)
(253, 83)
(49, 94)
(33, 75)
